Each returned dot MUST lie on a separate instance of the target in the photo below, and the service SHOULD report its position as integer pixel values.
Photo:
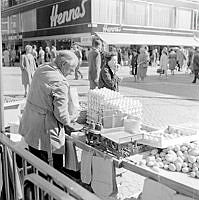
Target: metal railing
(46, 188)
(53, 183)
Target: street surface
(171, 101)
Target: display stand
(179, 182)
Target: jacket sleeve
(106, 77)
(98, 66)
(196, 60)
(60, 103)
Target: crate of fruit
(170, 136)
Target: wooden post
(2, 128)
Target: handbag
(160, 71)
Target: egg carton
(172, 136)
(111, 118)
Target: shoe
(193, 81)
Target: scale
(117, 141)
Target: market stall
(114, 131)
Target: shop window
(4, 4)
(28, 20)
(14, 24)
(162, 16)
(135, 13)
(183, 18)
(195, 20)
(104, 11)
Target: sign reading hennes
(68, 12)
(67, 15)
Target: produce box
(12, 110)
(171, 136)
(120, 136)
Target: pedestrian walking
(79, 56)
(94, 62)
(6, 57)
(119, 56)
(190, 59)
(172, 61)
(180, 56)
(28, 67)
(13, 56)
(108, 75)
(154, 57)
(142, 63)
(196, 65)
(49, 108)
(41, 55)
(47, 55)
(35, 54)
(53, 52)
(103, 55)
(134, 58)
(164, 62)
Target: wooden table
(178, 181)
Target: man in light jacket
(49, 108)
(94, 62)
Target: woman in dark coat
(195, 64)
(108, 77)
(134, 63)
(172, 61)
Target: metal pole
(2, 128)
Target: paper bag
(86, 163)
(104, 177)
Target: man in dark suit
(196, 65)
(94, 62)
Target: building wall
(151, 13)
(32, 18)
(48, 19)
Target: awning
(142, 39)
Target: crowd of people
(10, 56)
(104, 65)
(168, 59)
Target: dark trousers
(78, 73)
(195, 76)
(93, 84)
(43, 155)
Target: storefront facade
(120, 22)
